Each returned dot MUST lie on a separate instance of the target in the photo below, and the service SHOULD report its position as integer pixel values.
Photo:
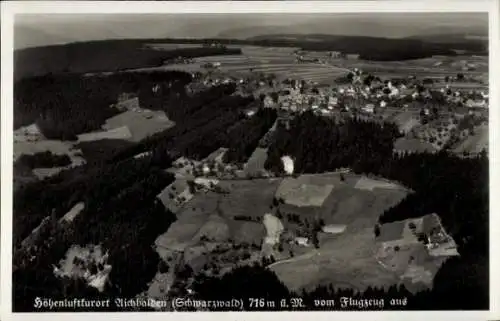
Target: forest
(42, 160)
(124, 217)
(100, 56)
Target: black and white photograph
(248, 161)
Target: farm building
(369, 108)
(128, 104)
(117, 133)
(287, 164)
(303, 241)
(205, 182)
(476, 103)
(408, 232)
(333, 228)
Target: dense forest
(98, 56)
(320, 144)
(123, 216)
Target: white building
(288, 165)
(333, 228)
(303, 241)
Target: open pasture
(346, 261)
(278, 61)
(247, 197)
(189, 221)
(347, 204)
(255, 163)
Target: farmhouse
(427, 230)
(369, 108)
(29, 133)
(303, 241)
(333, 228)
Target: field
(255, 163)
(346, 259)
(474, 143)
(23, 144)
(278, 61)
(210, 215)
(406, 121)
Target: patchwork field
(248, 197)
(278, 61)
(346, 259)
(210, 215)
(296, 193)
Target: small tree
(377, 230)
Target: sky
(40, 30)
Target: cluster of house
(426, 230)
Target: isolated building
(287, 164)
